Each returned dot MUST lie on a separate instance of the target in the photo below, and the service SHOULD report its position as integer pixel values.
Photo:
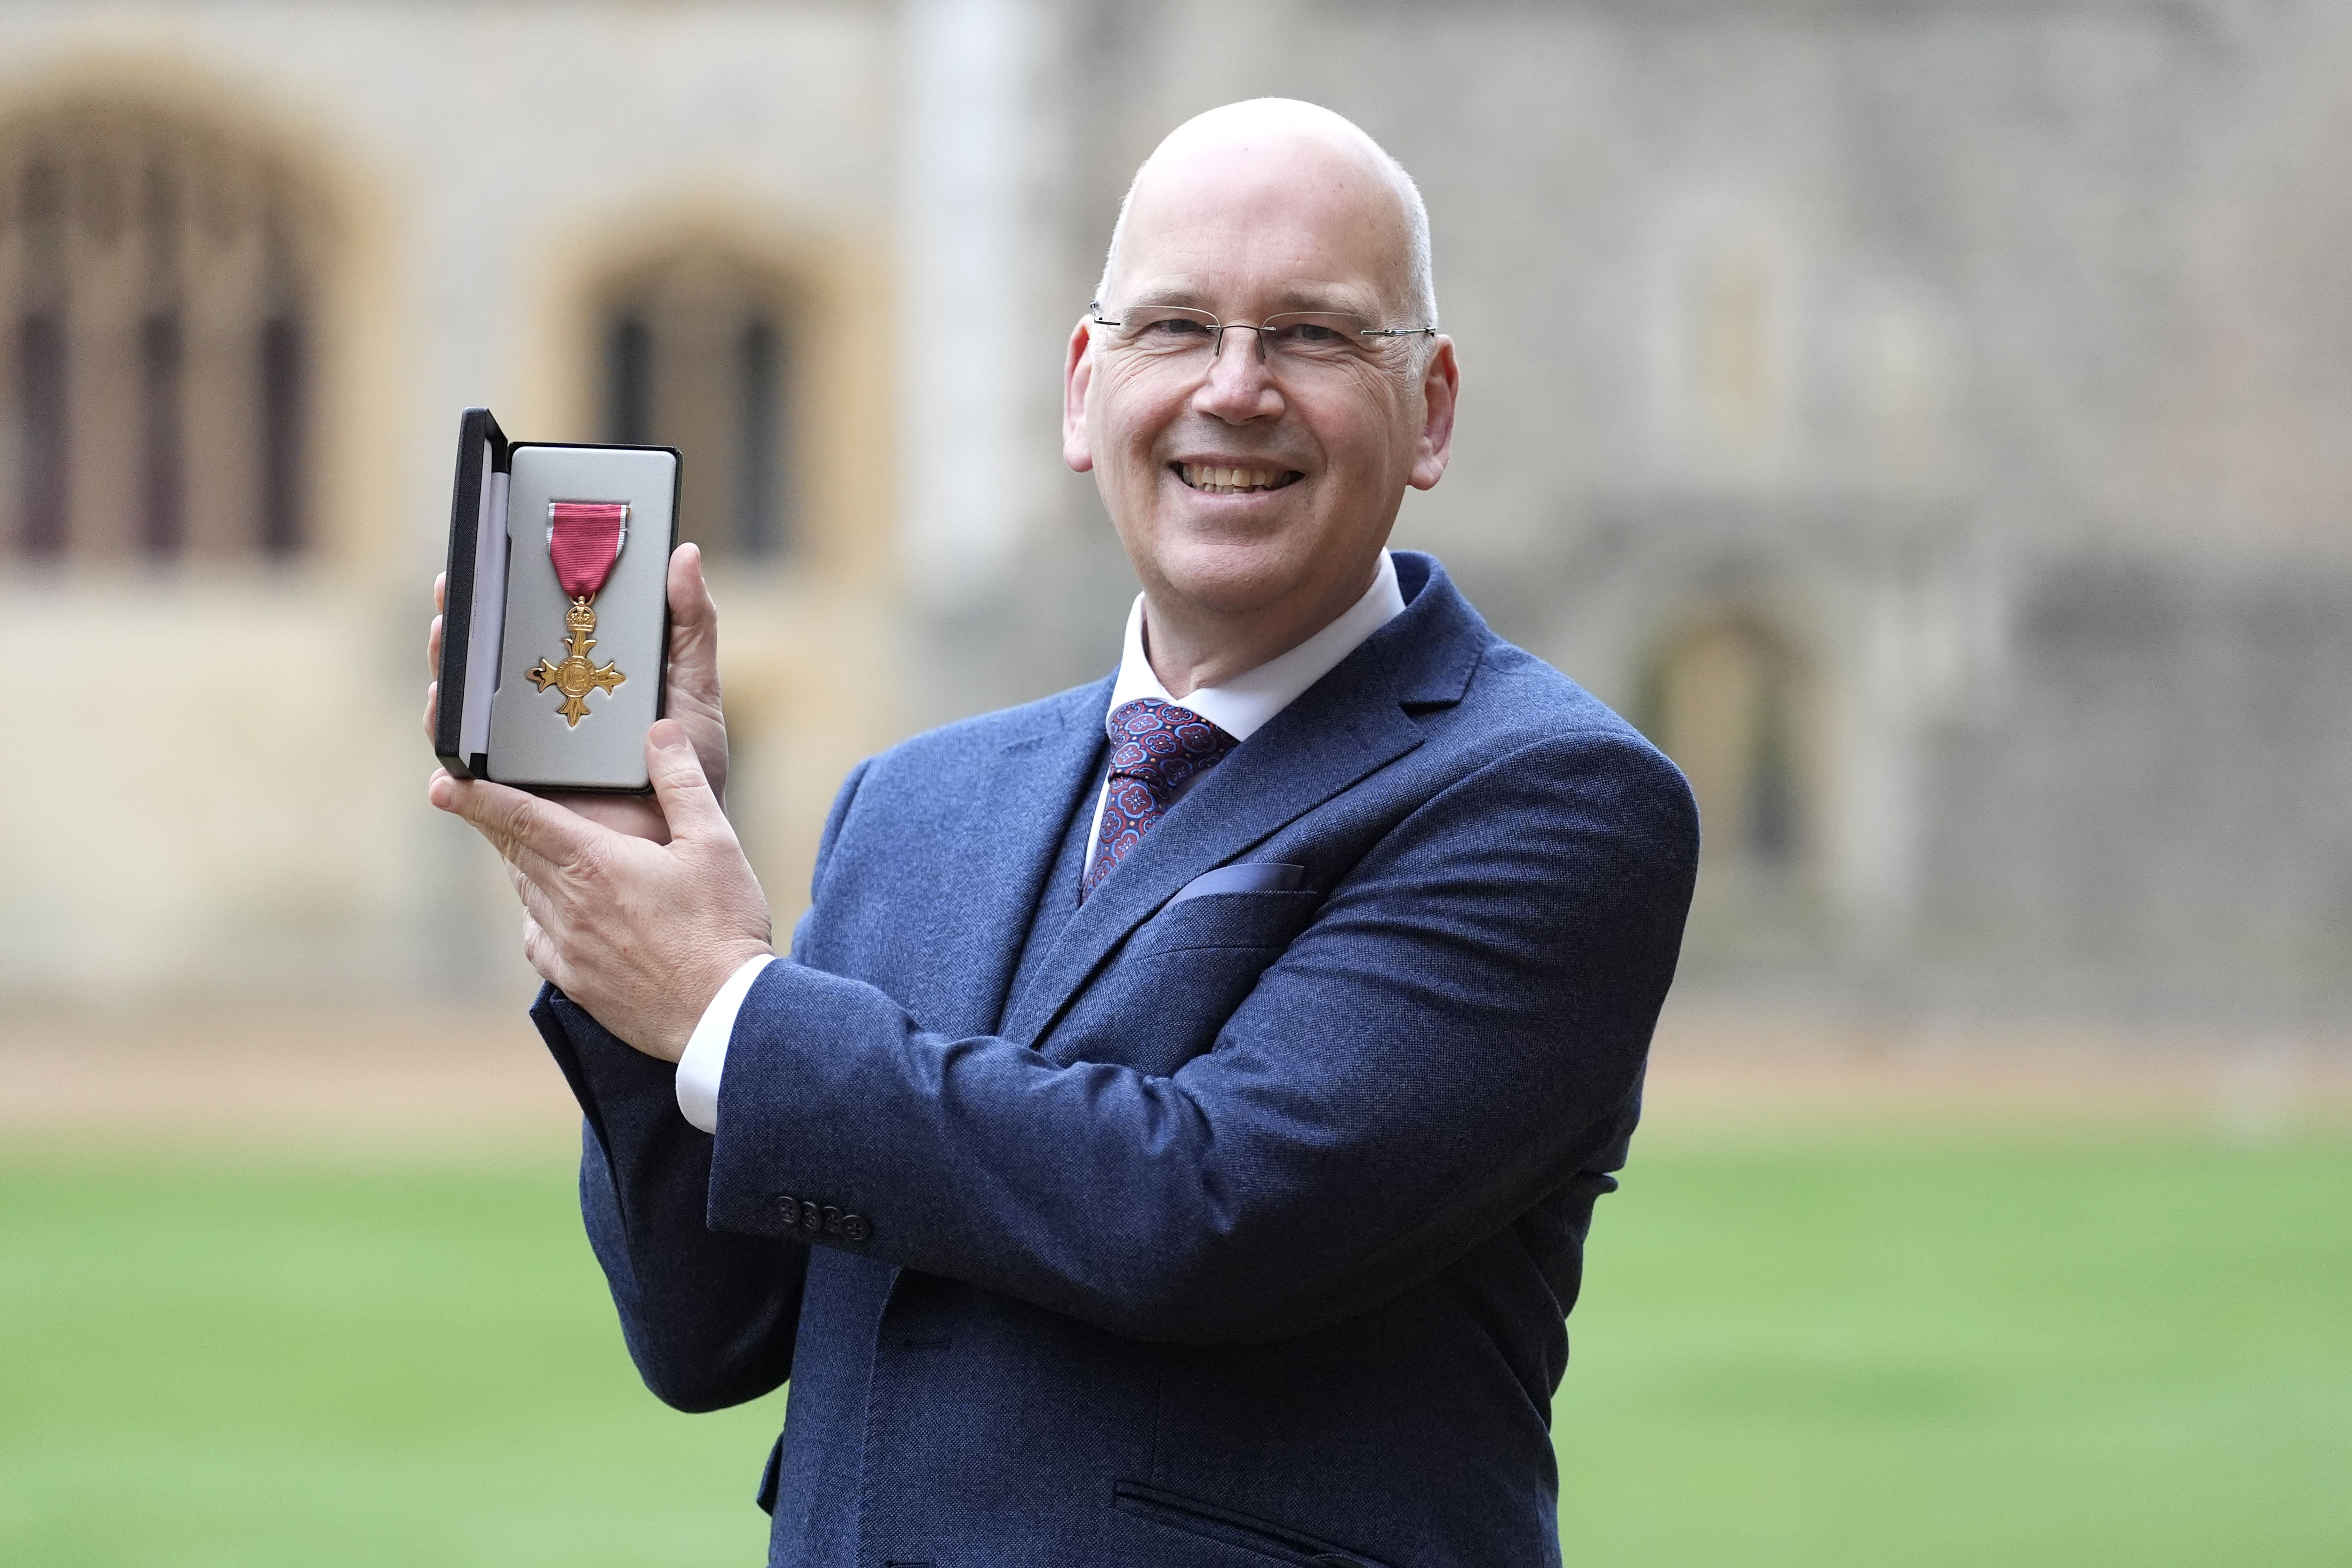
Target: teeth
(1220, 480)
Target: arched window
(1725, 699)
(1726, 338)
(696, 354)
(155, 343)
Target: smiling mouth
(1212, 480)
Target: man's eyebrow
(1165, 294)
(1340, 297)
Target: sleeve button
(854, 1228)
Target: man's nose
(1240, 384)
(1253, 343)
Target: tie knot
(1161, 745)
(1155, 746)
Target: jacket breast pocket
(1185, 970)
(1239, 921)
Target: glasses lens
(1312, 336)
(1165, 329)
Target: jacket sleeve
(710, 1317)
(1459, 1031)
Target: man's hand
(692, 695)
(641, 934)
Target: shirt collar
(1244, 704)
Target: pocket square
(1250, 876)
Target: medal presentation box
(555, 635)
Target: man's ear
(1077, 375)
(1441, 387)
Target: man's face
(1324, 453)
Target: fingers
(538, 951)
(679, 785)
(541, 918)
(690, 605)
(539, 840)
(433, 652)
(638, 816)
(693, 629)
(692, 688)
(537, 906)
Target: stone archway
(1730, 700)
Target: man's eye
(1309, 336)
(1167, 329)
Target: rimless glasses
(1302, 340)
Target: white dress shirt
(1240, 706)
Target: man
(1171, 1136)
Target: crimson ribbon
(584, 539)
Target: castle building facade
(1927, 420)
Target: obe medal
(583, 540)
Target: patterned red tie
(1156, 746)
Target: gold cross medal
(583, 540)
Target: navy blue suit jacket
(1243, 1229)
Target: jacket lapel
(1349, 725)
(998, 868)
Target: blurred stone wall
(218, 770)
(1986, 365)
(1928, 418)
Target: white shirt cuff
(706, 1049)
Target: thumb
(679, 786)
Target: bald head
(1276, 153)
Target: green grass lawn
(1979, 1355)
(1995, 1352)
